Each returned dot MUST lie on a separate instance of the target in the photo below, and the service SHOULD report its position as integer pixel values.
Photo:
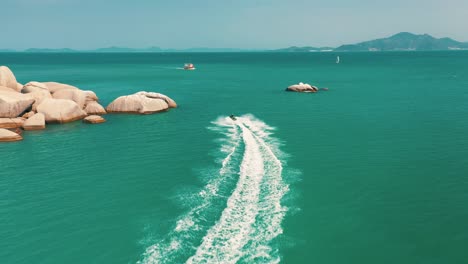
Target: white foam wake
(268, 221)
(166, 250)
(253, 215)
(251, 219)
(224, 241)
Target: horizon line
(156, 49)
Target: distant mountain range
(403, 41)
(49, 50)
(121, 49)
(406, 41)
(126, 50)
(304, 49)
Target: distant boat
(189, 66)
(337, 59)
(233, 117)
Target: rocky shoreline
(35, 104)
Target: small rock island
(35, 104)
(302, 88)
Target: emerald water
(372, 171)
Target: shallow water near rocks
(371, 171)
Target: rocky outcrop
(39, 103)
(139, 103)
(38, 91)
(8, 136)
(60, 110)
(52, 102)
(94, 108)
(303, 88)
(13, 104)
(171, 103)
(76, 95)
(11, 122)
(55, 86)
(94, 119)
(36, 122)
(7, 78)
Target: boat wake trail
(240, 212)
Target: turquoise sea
(375, 170)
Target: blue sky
(256, 24)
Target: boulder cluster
(35, 104)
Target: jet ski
(233, 117)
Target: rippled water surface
(374, 170)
